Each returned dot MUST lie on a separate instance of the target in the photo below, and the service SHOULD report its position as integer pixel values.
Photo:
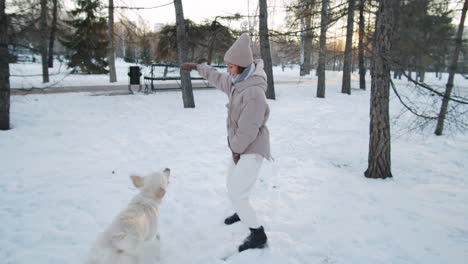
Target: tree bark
(44, 35)
(322, 50)
(302, 55)
(265, 49)
(452, 69)
(379, 143)
(347, 64)
(187, 92)
(111, 44)
(211, 47)
(422, 75)
(362, 67)
(52, 33)
(308, 42)
(4, 70)
(306, 45)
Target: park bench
(157, 75)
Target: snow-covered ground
(29, 75)
(65, 166)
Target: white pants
(240, 181)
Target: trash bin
(134, 74)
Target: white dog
(132, 236)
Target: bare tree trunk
(52, 34)
(111, 44)
(362, 67)
(335, 56)
(379, 144)
(44, 35)
(187, 92)
(452, 69)
(306, 38)
(347, 64)
(212, 43)
(211, 47)
(302, 57)
(322, 51)
(265, 49)
(420, 69)
(192, 53)
(4, 70)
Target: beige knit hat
(240, 53)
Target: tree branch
(407, 106)
(138, 8)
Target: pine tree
(379, 162)
(130, 53)
(145, 50)
(362, 67)
(44, 37)
(4, 70)
(88, 44)
(322, 50)
(422, 36)
(347, 63)
(111, 44)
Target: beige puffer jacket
(248, 109)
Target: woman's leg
(241, 179)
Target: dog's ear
(167, 172)
(160, 192)
(138, 181)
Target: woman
(248, 136)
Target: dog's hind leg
(125, 243)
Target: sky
(200, 10)
(203, 10)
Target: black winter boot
(256, 239)
(232, 219)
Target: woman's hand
(235, 157)
(188, 66)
